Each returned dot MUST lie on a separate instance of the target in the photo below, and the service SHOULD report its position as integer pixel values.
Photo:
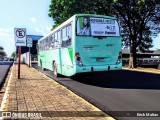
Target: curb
(77, 94)
(146, 71)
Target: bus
(83, 43)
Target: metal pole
(29, 58)
(19, 60)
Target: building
(151, 59)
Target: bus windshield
(96, 26)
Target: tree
(13, 54)
(2, 53)
(61, 10)
(139, 19)
(1, 48)
(140, 22)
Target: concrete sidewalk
(140, 69)
(36, 96)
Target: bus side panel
(67, 61)
(53, 55)
(47, 58)
(41, 59)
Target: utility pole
(29, 57)
(19, 61)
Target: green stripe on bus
(70, 50)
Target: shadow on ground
(123, 79)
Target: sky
(32, 15)
(156, 43)
(29, 14)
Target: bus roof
(95, 15)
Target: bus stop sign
(29, 42)
(20, 36)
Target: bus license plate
(100, 59)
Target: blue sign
(29, 42)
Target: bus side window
(56, 40)
(46, 44)
(59, 39)
(49, 42)
(69, 35)
(64, 37)
(52, 46)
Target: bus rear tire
(55, 72)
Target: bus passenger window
(59, 39)
(47, 44)
(69, 31)
(59, 35)
(53, 42)
(69, 35)
(51, 46)
(55, 39)
(64, 37)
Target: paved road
(117, 91)
(4, 68)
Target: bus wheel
(55, 69)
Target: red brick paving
(37, 92)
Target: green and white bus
(83, 43)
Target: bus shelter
(33, 49)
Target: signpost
(20, 40)
(29, 44)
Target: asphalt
(36, 93)
(4, 68)
(119, 93)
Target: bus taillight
(78, 58)
(77, 54)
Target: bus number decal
(88, 48)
